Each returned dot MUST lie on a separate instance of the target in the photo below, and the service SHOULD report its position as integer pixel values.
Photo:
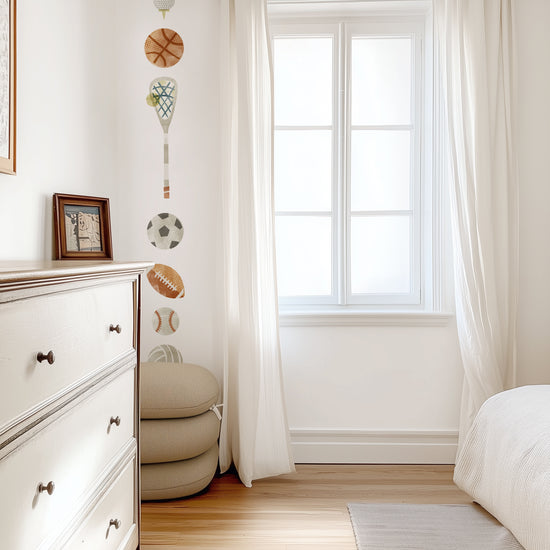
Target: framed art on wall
(7, 86)
(82, 228)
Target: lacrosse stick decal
(162, 96)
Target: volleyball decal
(165, 231)
(164, 6)
(166, 281)
(162, 96)
(165, 321)
(165, 354)
(164, 48)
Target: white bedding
(504, 464)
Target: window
(352, 161)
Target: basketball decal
(164, 6)
(165, 231)
(166, 281)
(164, 47)
(165, 354)
(165, 321)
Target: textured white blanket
(504, 464)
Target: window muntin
(372, 169)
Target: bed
(504, 464)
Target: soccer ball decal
(165, 231)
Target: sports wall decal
(165, 231)
(165, 321)
(164, 6)
(164, 47)
(166, 281)
(165, 354)
(163, 92)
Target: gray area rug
(428, 527)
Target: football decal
(165, 231)
(165, 321)
(164, 47)
(165, 354)
(166, 281)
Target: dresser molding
(32, 422)
(109, 475)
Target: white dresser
(69, 405)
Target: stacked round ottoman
(179, 429)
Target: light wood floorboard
(301, 511)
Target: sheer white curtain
(477, 65)
(254, 433)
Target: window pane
(303, 170)
(303, 81)
(380, 170)
(304, 255)
(380, 255)
(381, 81)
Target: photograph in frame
(7, 86)
(82, 227)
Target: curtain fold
(476, 45)
(254, 433)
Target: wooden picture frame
(7, 86)
(82, 228)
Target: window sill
(326, 318)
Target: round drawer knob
(47, 488)
(114, 523)
(117, 329)
(115, 420)
(49, 357)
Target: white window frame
(387, 18)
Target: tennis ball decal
(165, 321)
(165, 354)
(166, 281)
(164, 47)
(165, 231)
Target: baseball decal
(165, 321)
(164, 47)
(165, 231)
(165, 354)
(166, 281)
(164, 6)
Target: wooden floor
(301, 511)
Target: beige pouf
(179, 429)
(171, 439)
(176, 390)
(178, 479)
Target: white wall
(533, 21)
(65, 118)
(372, 394)
(193, 145)
(361, 393)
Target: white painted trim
(326, 446)
(361, 318)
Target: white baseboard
(322, 446)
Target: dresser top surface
(14, 271)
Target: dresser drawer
(71, 452)
(75, 326)
(112, 524)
